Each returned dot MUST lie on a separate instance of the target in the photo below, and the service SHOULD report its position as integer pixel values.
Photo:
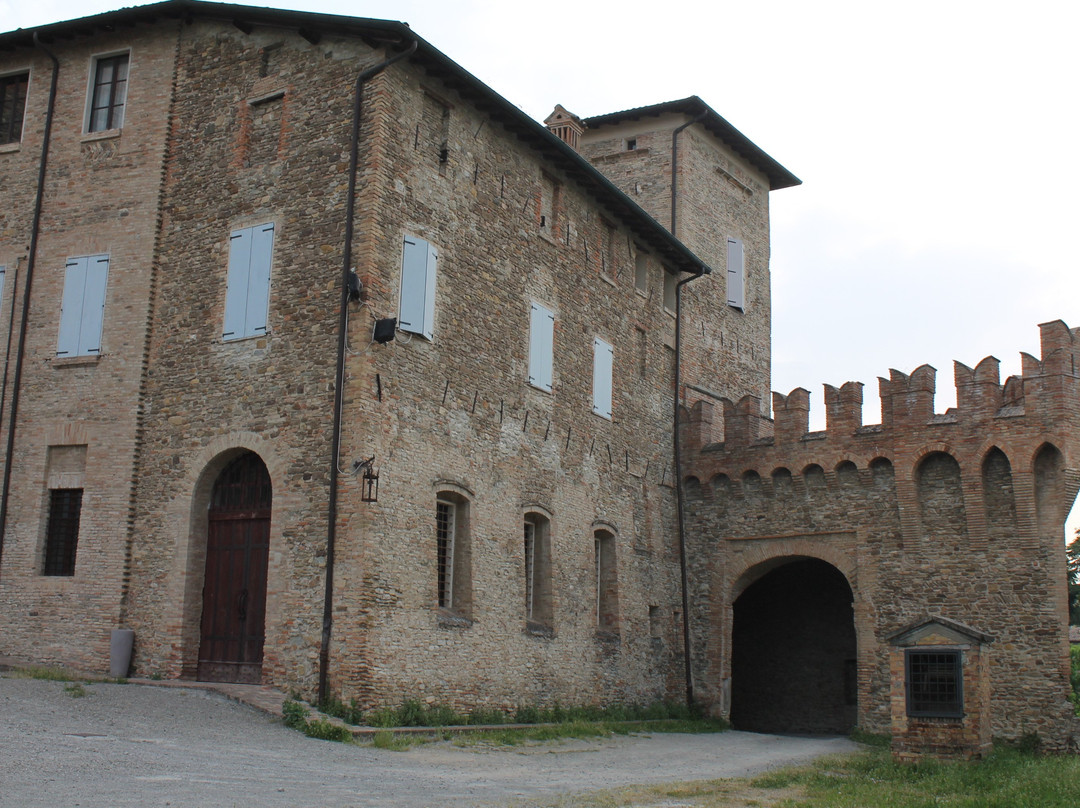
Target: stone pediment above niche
(937, 630)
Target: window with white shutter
(541, 342)
(736, 275)
(82, 308)
(247, 296)
(603, 364)
(416, 310)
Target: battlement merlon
(1047, 389)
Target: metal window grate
(62, 531)
(530, 567)
(934, 684)
(445, 514)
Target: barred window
(453, 553)
(444, 536)
(934, 683)
(537, 536)
(62, 530)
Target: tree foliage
(1072, 555)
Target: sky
(937, 143)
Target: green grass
(1007, 778)
(60, 675)
(414, 713)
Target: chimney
(565, 125)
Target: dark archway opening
(794, 651)
(234, 589)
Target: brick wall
(101, 197)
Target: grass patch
(49, 674)
(384, 739)
(1006, 779)
(75, 690)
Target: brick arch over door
(793, 648)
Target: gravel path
(129, 745)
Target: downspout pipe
(339, 379)
(676, 421)
(35, 230)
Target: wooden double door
(234, 589)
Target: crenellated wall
(959, 514)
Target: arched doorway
(794, 650)
(234, 589)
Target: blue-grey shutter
(67, 342)
(3, 276)
(236, 292)
(93, 304)
(541, 341)
(603, 365)
(736, 276)
(429, 292)
(258, 298)
(416, 307)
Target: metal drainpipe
(14, 282)
(678, 382)
(339, 380)
(31, 260)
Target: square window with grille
(62, 530)
(934, 683)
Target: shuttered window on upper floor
(82, 308)
(541, 347)
(247, 295)
(736, 274)
(419, 266)
(603, 366)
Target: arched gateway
(794, 650)
(234, 589)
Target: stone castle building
(329, 368)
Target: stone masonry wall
(101, 196)
(725, 352)
(915, 512)
(263, 119)
(457, 415)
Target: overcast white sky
(937, 143)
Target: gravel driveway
(131, 745)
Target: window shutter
(258, 297)
(541, 340)
(416, 309)
(736, 277)
(236, 292)
(67, 342)
(3, 275)
(93, 304)
(603, 364)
